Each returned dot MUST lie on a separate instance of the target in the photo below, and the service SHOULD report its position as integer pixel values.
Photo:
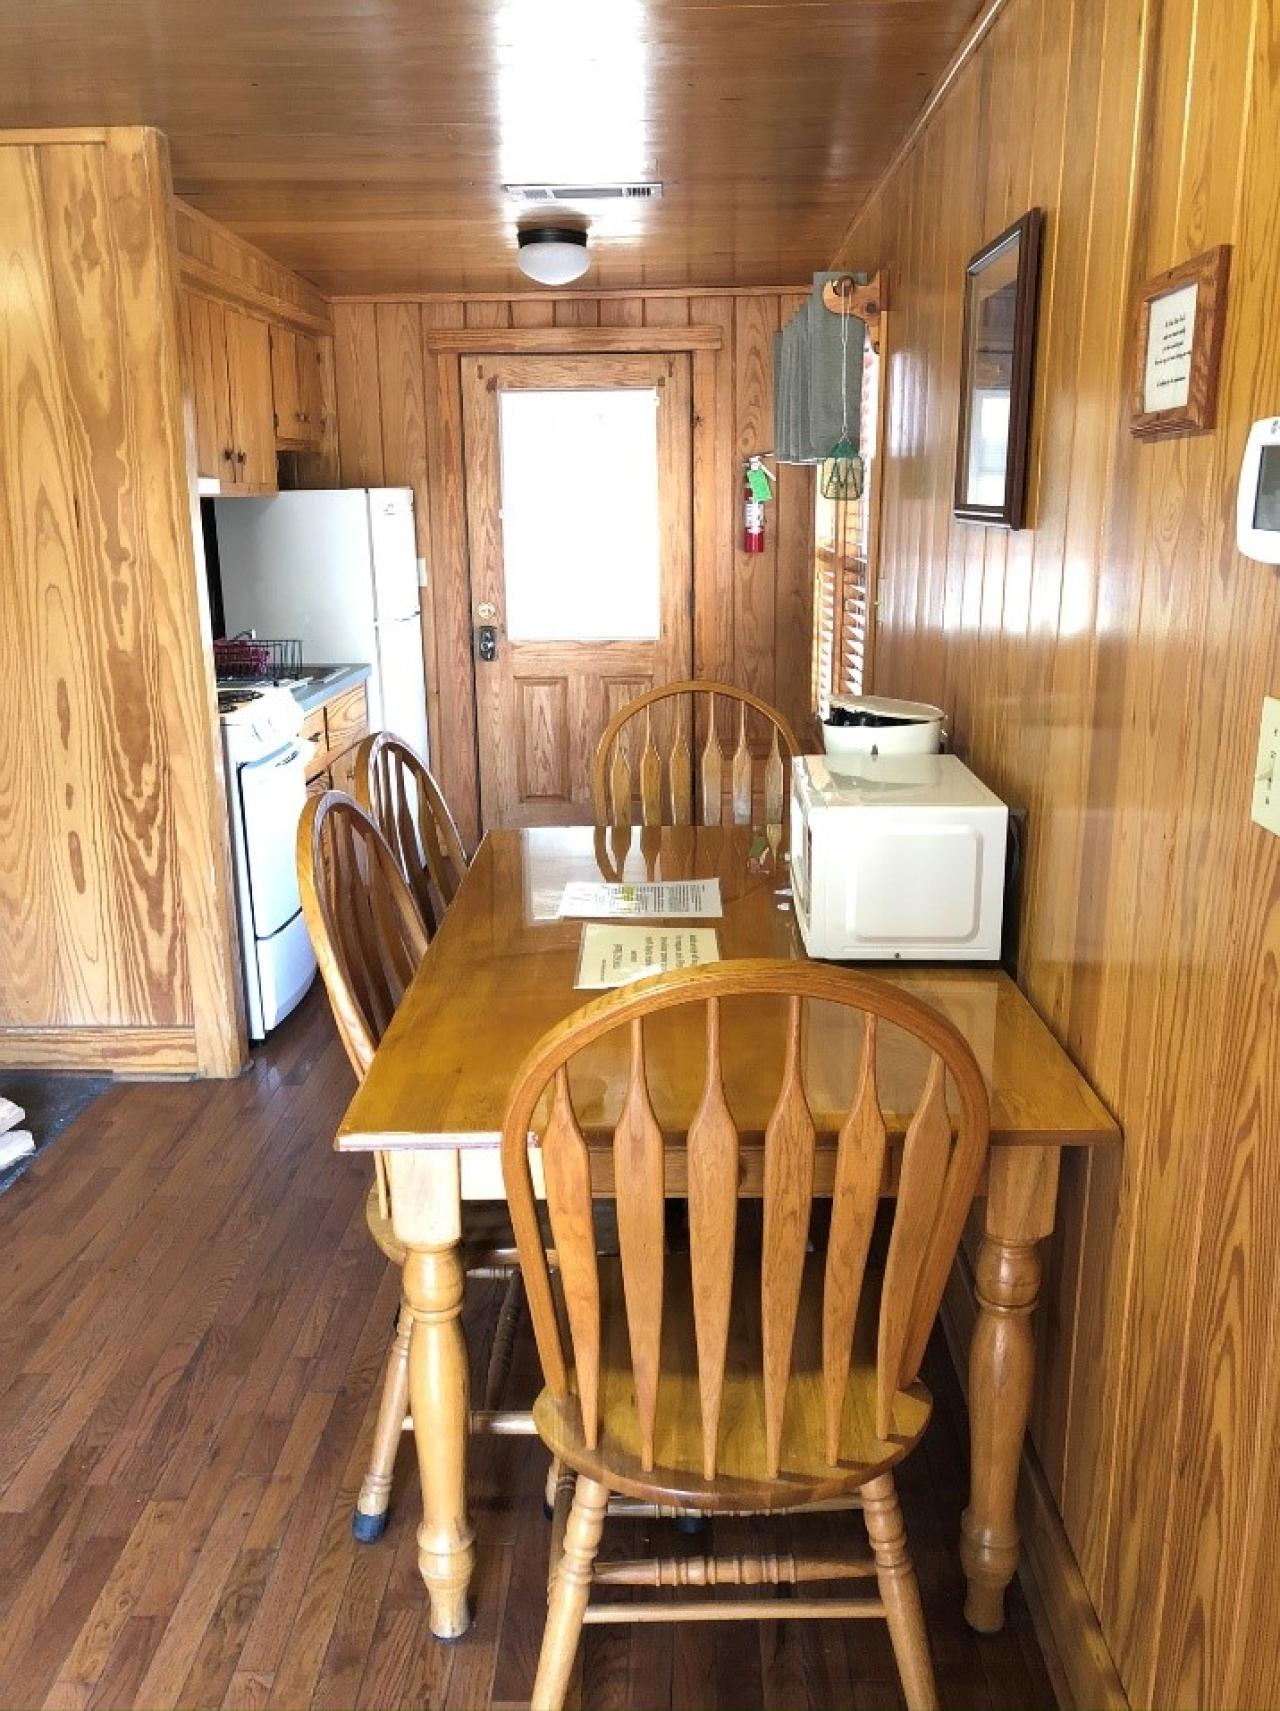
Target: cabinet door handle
(229, 454)
(241, 457)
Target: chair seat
(742, 1480)
(486, 1227)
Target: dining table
(502, 969)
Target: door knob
(487, 642)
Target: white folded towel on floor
(16, 1144)
(10, 1115)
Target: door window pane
(580, 515)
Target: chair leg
(570, 1585)
(900, 1592)
(369, 1520)
(550, 1488)
(504, 1339)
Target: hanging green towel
(807, 396)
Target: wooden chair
(667, 796)
(396, 789)
(722, 1380)
(369, 937)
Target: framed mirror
(997, 358)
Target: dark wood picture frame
(1210, 272)
(1024, 237)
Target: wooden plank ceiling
(365, 142)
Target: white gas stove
(266, 758)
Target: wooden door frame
(595, 676)
(452, 700)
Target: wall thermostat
(1258, 498)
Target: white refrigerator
(338, 569)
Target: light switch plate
(1266, 774)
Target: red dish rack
(245, 657)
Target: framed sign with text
(1178, 352)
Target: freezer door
(395, 553)
(402, 683)
(300, 564)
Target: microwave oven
(896, 858)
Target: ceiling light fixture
(553, 255)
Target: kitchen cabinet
(298, 388)
(337, 728)
(252, 420)
(207, 355)
(343, 771)
(229, 355)
(347, 719)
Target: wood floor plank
(184, 1633)
(187, 1396)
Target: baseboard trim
(1076, 1655)
(112, 1051)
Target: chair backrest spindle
(713, 1152)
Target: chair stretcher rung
(503, 1422)
(782, 1569)
(749, 1610)
(636, 1508)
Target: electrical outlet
(1266, 775)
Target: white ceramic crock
(920, 734)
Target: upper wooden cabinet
(298, 387)
(210, 386)
(230, 359)
(252, 410)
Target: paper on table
(613, 956)
(591, 898)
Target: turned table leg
(1023, 1184)
(426, 1215)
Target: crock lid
(887, 708)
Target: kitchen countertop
(323, 687)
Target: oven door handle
(290, 755)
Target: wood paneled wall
(115, 924)
(1105, 667)
(399, 422)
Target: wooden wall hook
(845, 295)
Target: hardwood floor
(192, 1321)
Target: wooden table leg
(426, 1214)
(1021, 1197)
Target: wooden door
(284, 385)
(207, 354)
(310, 389)
(579, 515)
(252, 411)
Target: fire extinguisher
(755, 494)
